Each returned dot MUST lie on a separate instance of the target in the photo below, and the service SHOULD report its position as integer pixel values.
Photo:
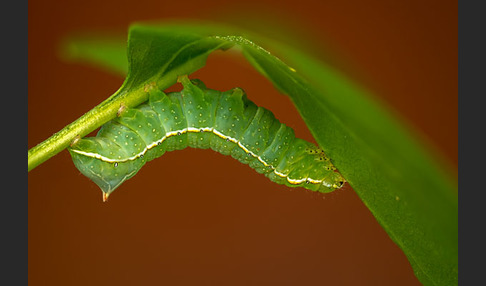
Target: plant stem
(91, 120)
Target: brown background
(195, 217)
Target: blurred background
(195, 217)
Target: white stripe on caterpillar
(197, 130)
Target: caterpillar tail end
(107, 175)
(105, 196)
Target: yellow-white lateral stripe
(200, 129)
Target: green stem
(91, 120)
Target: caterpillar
(198, 117)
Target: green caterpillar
(197, 117)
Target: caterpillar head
(332, 182)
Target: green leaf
(408, 193)
(397, 179)
(106, 50)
